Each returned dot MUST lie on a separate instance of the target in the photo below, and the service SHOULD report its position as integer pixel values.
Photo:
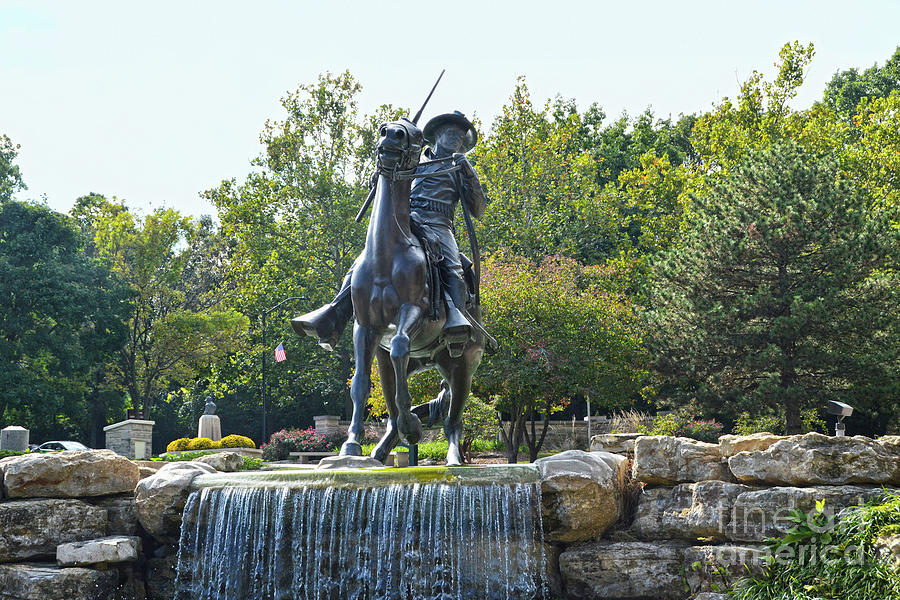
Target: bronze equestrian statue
(391, 287)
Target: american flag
(279, 353)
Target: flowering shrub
(687, 426)
(283, 442)
(237, 441)
(179, 445)
(202, 444)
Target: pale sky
(155, 102)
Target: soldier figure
(432, 205)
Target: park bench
(305, 457)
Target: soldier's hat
(470, 138)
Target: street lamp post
(265, 313)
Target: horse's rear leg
(459, 375)
(408, 423)
(389, 389)
(364, 343)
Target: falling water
(399, 542)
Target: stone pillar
(210, 427)
(14, 438)
(132, 438)
(327, 424)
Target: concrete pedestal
(132, 438)
(14, 438)
(210, 427)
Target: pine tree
(782, 294)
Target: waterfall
(397, 542)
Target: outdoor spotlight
(841, 410)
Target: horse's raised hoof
(410, 428)
(351, 449)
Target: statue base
(210, 427)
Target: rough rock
(582, 493)
(623, 570)
(228, 462)
(617, 443)
(34, 528)
(759, 514)
(710, 596)
(160, 498)
(816, 459)
(687, 511)
(71, 474)
(887, 549)
(160, 582)
(148, 471)
(39, 581)
(667, 460)
(642, 570)
(732, 444)
(348, 462)
(113, 549)
(120, 513)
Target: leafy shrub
(8, 453)
(251, 464)
(184, 456)
(687, 426)
(813, 556)
(236, 441)
(201, 444)
(179, 445)
(747, 425)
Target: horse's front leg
(408, 423)
(388, 389)
(364, 343)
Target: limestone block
(73, 474)
(732, 444)
(112, 549)
(34, 528)
(160, 498)
(14, 438)
(686, 511)
(121, 514)
(887, 549)
(667, 460)
(148, 471)
(617, 443)
(760, 514)
(582, 494)
(623, 570)
(38, 581)
(643, 570)
(228, 462)
(816, 459)
(348, 462)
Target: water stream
(416, 541)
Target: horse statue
(397, 318)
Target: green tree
(62, 314)
(292, 230)
(565, 331)
(10, 177)
(847, 88)
(778, 297)
(176, 328)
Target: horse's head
(399, 145)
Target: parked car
(56, 446)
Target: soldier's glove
(460, 159)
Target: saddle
(433, 258)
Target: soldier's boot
(328, 322)
(457, 329)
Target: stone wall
(703, 511)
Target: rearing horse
(391, 295)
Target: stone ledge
(40, 581)
(129, 422)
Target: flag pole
(265, 427)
